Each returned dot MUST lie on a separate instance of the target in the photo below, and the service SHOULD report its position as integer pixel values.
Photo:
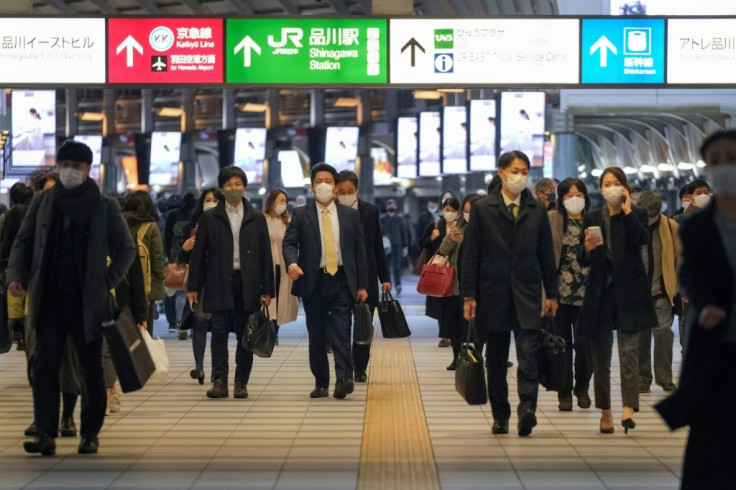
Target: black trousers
(329, 310)
(200, 326)
(497, 355)
(224, 322)
(395, 261)
(52, 328)
(564, 326)
(452, 322)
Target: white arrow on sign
(603, 44)
(247, 45)
(129, 44)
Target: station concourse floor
(407, 428)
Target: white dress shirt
(332, 209)
(508, 202)
(235, 215)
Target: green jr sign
(306, 51)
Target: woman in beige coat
(285, 308)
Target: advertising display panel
(429, 144)
(165, 156)
(482, 135)
(454, 140)
(250, 151)
(522, 124)
(406, 147)
(341, 147)
(34, 129)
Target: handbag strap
(471, 335)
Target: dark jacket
(628, 234)
(433, 308)
(108, 236)
(211, 262)
(374, 254)
(13, 220)
(425, 219)
(395, 229)
(303, 246)
(506, 262)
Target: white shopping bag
(157, 350)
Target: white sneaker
(114, 395)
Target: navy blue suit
(328, 300)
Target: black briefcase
(363, 324)
(133, 362)
(260, 334)
(552, 367)
(470, 377)
(393, 320)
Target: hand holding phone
(593, 238)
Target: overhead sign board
(42, 51)
(623, 51)
(484, 51)
(306, 51)
(700, 51)
(167, 51)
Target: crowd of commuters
(524, 260)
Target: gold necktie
(329, 241)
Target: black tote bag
(260, 334)
(393, 320)
(552, 365)
(363, 324)
(130, 356)
(470, 377)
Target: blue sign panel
(623, 51)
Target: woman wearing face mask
(452, 322)
(566, 221)
(432, 239)
(285, 308)
(198, 320)
(617, 295)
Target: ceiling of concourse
(288, 7)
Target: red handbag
(436, 280)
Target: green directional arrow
(306, 51)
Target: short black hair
(685, 189)
(227, 173)
(20, 194)
(74, 151)
(717, 136)
(347, 176)
(140, 203)
(697, 184)
(496, 181)
(470, 198)
(565, 187)
(322, 167)
(505, 160)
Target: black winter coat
(211, 262)
(628, 234)
(506, 262)
(374, 253)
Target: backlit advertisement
(34, 128)
(165, 156)
(482, 135)
(454, 140)
(406, 147)
(429, 144)
(522, 124)
(250, 151)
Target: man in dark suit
(324, 248)
(347, 195)
(508, 255)
(231, 263)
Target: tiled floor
(172, 436)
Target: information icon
(443, 63)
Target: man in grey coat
(61, 256)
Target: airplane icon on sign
(160, 64)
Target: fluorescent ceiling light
(262, 191)
(630, 170)
(450, 90)
(253, 107)
(685, 166)
(647, 169)
(92, 116)
(347, 102)
(427, 94)
(701, 164)
(596, 172)
(665, 167)
(170, 112)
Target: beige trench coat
(284, 307)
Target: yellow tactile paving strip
(396, 450)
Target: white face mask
(280, 208)
(723, 179)
(515, 183)
(701, 200)
(71, 178)
(574, 205)
(209, 205)
(686, 204)
(348, 199)
(324, 191)
(450, 217)
(466, 217)
(613, 194)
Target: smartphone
(595, 231)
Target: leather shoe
(583, 397)
(88, 445)
(361, 376)
(219, 390)
(31, 430)
(527, 421)
(240, 391)
(451, 367)
(644, 389)
(565, 402)
(500, 426)
(343, 388)
(668, 387)
(42, 443)
(68, 428)
(198, 375)
(319, 393)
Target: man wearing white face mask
(507, 258)
(347, 194)
(324, 249)
(394, 227)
